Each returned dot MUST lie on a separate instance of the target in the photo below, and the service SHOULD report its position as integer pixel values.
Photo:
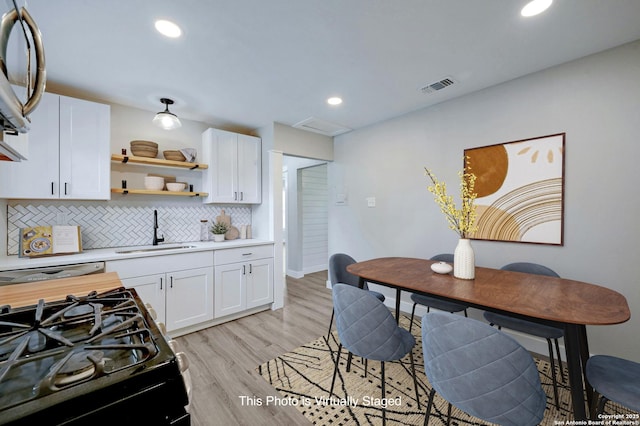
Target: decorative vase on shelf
(218, 237)
(464, 263)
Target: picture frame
(520, 190)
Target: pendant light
(166, 119)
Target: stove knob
(183, 361)
(152, 311)
(162, 328)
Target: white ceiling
(247, 63)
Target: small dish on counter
(441, 268)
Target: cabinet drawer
(140, 266)
(242, 254)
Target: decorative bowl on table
(441, 267)
(173, 155)
(176, 186)
(154, 183)
(144, 149)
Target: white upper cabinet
(235, 167)
(69, 153)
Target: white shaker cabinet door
(260, 283)
(249, 169)
(189, 297)
(151, 289)
(85, 161)
(230, 289)
(37, 176)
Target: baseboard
(295, 274)
(316, 268)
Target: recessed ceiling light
(535, 7)
(168, 28)
(334, 101)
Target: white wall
(595, 100)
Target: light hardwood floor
(223, 359)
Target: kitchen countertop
(8, 263)
(27, 294)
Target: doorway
(305, 219)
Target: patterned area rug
(303, 379)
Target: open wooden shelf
(148, 192)
(157, 162)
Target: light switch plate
(371, 201)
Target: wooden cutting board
(27, 294)
(224, 218)
(232, 233)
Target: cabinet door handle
(171, 281)
(241, 195)
(250, 268)
(235, 196)
(247, 254)
(65, 188)
(244, 269)
(52, 183)
(161, 279)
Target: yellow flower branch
(461, 220)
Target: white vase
(464, 263)
(218, 237)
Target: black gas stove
(95, 359)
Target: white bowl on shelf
(154, 183)
(176, 186)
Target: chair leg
(553, 374)
(384, 410)
(335, 370)
(449, 415)
(349, 357)
(560, 361)
(330, 324)
(600, 408)
(413, 311)
(432, 394)
(415, 381)
(465, 314)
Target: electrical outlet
(371, 201)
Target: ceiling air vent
(438, 85)
(320, 126)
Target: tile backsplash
(119, 224)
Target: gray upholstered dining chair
(613, 379)
(433, 302)
(547, 332)
(338, 263)
(480, 370)
(366, 328)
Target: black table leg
(398, 292)
(575, 343)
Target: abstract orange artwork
(520, 187)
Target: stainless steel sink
(152, 249)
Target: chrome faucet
(156, 240)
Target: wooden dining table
(560, 302)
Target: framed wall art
(520, 187)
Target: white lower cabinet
(243, 279)
(179, 287)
